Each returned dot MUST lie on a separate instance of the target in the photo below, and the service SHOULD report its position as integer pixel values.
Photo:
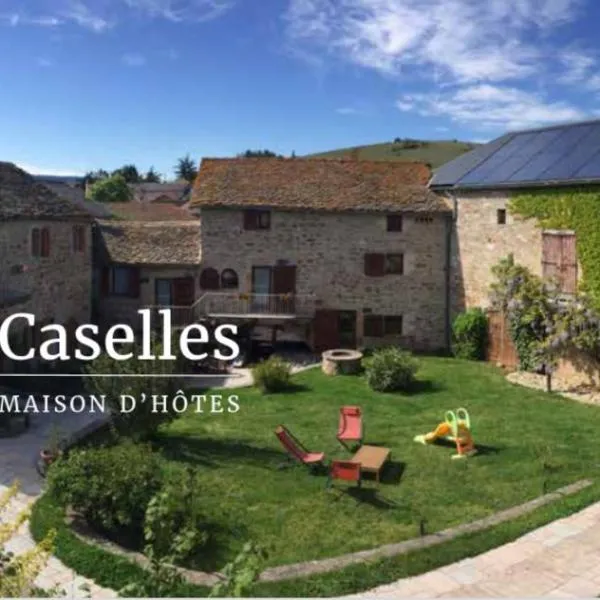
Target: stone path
(17, 462)
(559, 560)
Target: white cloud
(485, 106)
(461, 40)
(44, 62)
(80, 13)
(405, 105)
(182, 10)
(134, 59)
(37, 170)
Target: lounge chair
(296, 450)
(345, 470)
(350, 428)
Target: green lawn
(529, 441)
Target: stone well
(341, 362)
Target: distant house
(69, 187)
(45, 257)
(169, 193)
(334, 252)
(480, 185)
(145, 255)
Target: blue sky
(98, 83)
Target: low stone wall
(578, 370)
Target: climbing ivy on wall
(575, 209)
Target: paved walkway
(559, 560)
(18, 456)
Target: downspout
(450, 224)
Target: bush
(469, 334)
(111, 487)
(272, 375)
(391, 370)
(141, 423)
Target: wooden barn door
(326, 330)
(559, 259)
(501, 349)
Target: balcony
(256, 306)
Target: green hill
(436, 153)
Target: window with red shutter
(36, 242)
(394, 264)
(374, 265)
(45, 250)
(125, 281)
(209, 279)
(373, 326)
(257, 219)
(79, 238)
(393, 324)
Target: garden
(211, 484)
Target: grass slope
(436, 153)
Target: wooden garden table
(372, 459)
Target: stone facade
(328, 250)
(480, 242)
(56, 288)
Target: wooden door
(326, 330)
(559, 260)
(500, 347)
(284, 288)
(183, 291)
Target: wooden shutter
(373, 326)
(105, 281)
(134, 282)
(45, 242)
(250, 219)
(36, 243)
(374, 265)
(209, 279)
(559, 260)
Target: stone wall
(328, 251)
(480, 242)
(56, 288)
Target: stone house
(146, 255)
(169, 193)
(333, 252)
(45, 259)
(480, 185)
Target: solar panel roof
(561, 154)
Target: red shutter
(250, 219)
(45, 242)
(374, 265)
(105, 281)
(569, 264)
(36, 244)
(134, 282)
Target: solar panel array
(564, 154)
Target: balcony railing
(258, 305)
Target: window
(229, 280)
(40, 242)
(501, 216)
(163, 292)
(381, 326)
(394, 223)
(209, 279)
(257, 219)
(121, 281)
(79, 238)
(424, 219)
(394, 264)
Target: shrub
(469, 333)
(390, 370)
(141, 423)
(272, 375)
(111, 487)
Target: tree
(113, 189)
(152, 176)
(186, 168)
(129, 173)
(259, 154)
(92, 176)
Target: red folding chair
(296, 449)
(350, 428)
(344, 470)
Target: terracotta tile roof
(22, 197)
(142, 211)
(315, 184)
(151, 243)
